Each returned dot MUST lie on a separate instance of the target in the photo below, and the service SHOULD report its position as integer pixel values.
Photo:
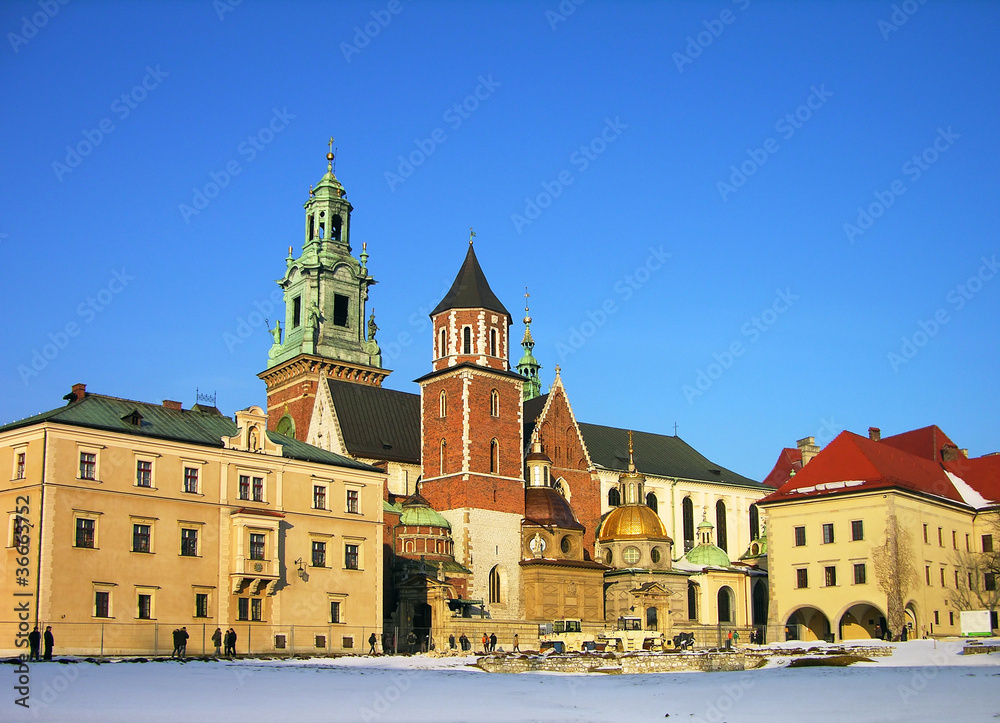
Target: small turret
(529, 367)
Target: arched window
(651, 619)
(725, 605)
(443, 342)
(651, 501)
(495, 584)
(692, 601)
(721, 538)
(494, 456)
(754, 522)
(614, 499)
(443, 412)
(444, 451)
(467, 340)
(687, 513)
(495, 403)
(493, 342)
(409, 545)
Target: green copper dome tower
(529, 367)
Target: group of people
(35, 643)
(228, 639)
(489, 643)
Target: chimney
(79, 391)
(807, 446)
(949, 453)
(170, 404)
(874, 434)
(965, 453)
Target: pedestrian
(35, 642)
(463, 642)
(49, 642)
(231, 643)
(486, 643)
(493, 642)
(176, 652)
(411, 642)
(217, 641)
(878, 632)
(371, 643)
(517, 644)
(736, 638)
(729, 640)
(451, 641)
(184, 641)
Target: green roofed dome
(417, 512)
(708, 555)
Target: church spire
(528, 367)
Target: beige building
(143, 518)
(872, 535)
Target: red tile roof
(789, 463)
(854, 463)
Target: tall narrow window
(258, 489)
(143, 473)
(351, 557)
(443, 342)
(442, 454)
(244, 608)
(352, 501)
(296, 311)
(857, 530)
(687, 513)
(145, 607)
(340, 310)
(800, 536)
(443, 404)
(191, 479)
(725, 605)
(754, 522)
(692, 601)
(88, 465)
(860, 574)
(830, 574)
(495, 584)
(318, 554)
(319, 497)
(651, 502)
(614, 497)
(722, 538)
(494, 456)
(493, 342)
(201, 605)
(827, 533)
(19, 473)
(256, 608)
(467, 340)
(102, 604)
(335, 611)
(495, 403)
(244, 493)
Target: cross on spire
(329, 157)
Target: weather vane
(472, 235)
(329, 156)
(527, 316)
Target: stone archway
(861, 621)
(807, 624)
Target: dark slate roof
(97, 411)
(659, 455)
(471, 290)
(378, 423)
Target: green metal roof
(193, 426)
(708, 555)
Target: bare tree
(894, 571)
(976, 587)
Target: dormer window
(133, 418)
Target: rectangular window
(927, 574)
(319, 554)
(244, 487)
(191, 479)
(828, 533)
(335, 612)
(937, 618)
(244, 608)
(951, 618)
(256, 546)
(352, 501)
(143, 473)
(258, 489)
(942, 577)
(340, 310)
(800, 536)
(956, 579)
(145, 607)
(801, 578)
(987, 543)
(860, 574)
(189, 542)
(351, 557)
(968, 544)
(102, 604)
(140, 538)
(296, 317)
(201, 604)
(831, 576)
(319, 497)
(857, 530)
(85, 532)
(88, 465)
(925, 533)
(954, 539)
(940, 537)
(19, 467)
(255, 609)
(990, 581)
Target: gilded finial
(527, 317)
(311, 191)
(329, 157)
(289, 252)
(472, 235)
(631, 462)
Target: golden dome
(632, 522)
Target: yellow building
(139, 519)
(875, 535)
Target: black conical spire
(471, 290)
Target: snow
(969, 495)
(923, 680)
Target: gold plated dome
(632, 522)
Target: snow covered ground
(923, 680)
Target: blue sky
(758, 220)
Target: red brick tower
(472, 436)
